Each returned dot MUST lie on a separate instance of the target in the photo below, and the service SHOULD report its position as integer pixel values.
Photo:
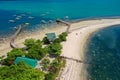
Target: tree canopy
(45, 40)
(45, 63)
(36, 52)
(54, 49)
(35, 49)
(54, 69)
(63, 36)
(15, 53)
(31, 42)
(20, 71)
(11, 56)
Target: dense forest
(42, 50)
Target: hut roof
(51, 36)
(31, 62)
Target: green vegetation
(20, 71)
(32, 42)
(63, 36)
(35, 50)
(57, 40)
(46, 64)
(54, 49)
(29, 43)
(45, 40)
(11, 56)
(1, 58)
(54, 69)
(15, 53)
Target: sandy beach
(74, 47)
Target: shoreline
(43, 26)
(74, 47)
(78, 70)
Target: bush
(49, 76)
(57, 40)
(11, 56)
(35, 49)
(36, 52)
(55, 67)
(63, 36)
(20, 71)
(45, 40)
(15, 53)
(54, 49)
(29, 43)
(45, 64)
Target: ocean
(14, 12)
(103, 47)
(103, 54)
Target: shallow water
(103, 52)
(52, 9)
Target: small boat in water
(50, 21)
(27, 23)
(43, 21)
(66, 17)
(18, 17)
(30, 17)
(11, 21)
(15, 28)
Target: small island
(55, 53)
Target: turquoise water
(52, 9)
(103, 52)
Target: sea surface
(103, 54)
(15, 12)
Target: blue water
(53, 9)
(103, 54)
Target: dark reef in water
(103, 51)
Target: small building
(29, 61)
(51, 36)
